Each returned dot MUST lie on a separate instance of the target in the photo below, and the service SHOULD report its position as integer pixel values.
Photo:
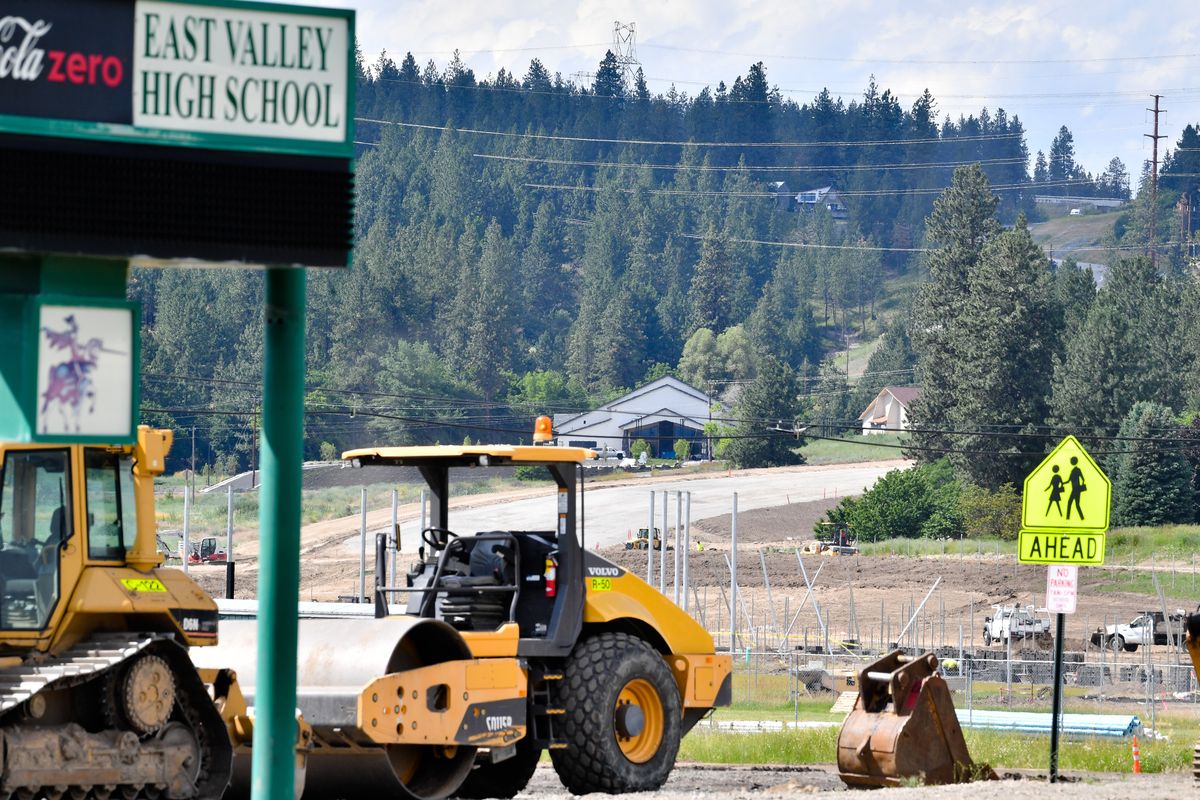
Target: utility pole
(192, 475)
(254, 449)
(1154, 137)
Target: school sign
(1065, 509)
(168, 133)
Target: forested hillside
(529, 245)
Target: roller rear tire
(623, 718)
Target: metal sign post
(1064, 516)
(1062, 587)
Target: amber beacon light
(543, 430)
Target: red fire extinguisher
(551, 574)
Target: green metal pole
(273, 776)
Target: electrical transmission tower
(625, 49)
(1154, 137)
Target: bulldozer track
(71, 667)
(95, 660)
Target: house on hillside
(888, 412)
(825, 196)
(659, 412)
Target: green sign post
(173, 133)
(1064, 516)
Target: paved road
(611, 512)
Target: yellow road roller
(603, 671)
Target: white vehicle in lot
(1147, 628)
(1015, 622)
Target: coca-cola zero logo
(24, 60)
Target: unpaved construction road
(765, 782)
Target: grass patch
(1165, 542)
(938, 547)
(1181, 586)
(1090, 753)
(804, 746)
(853, 449)
(1000, 749)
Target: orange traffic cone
(1137, 757)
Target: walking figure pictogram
(1055, 489)
(1078, 487)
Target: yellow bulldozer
(97, 695)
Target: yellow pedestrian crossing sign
(1067, 492)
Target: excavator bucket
(1192, 624)
(903, 727)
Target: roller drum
(336, 658)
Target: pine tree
(1151, 484)
(770, 399)
(491, 330)
(609, 80)
(711, 290)
(1126, 350)
(1114, 181)
(1005, 342)
(1061, 166)
(962, 223)
(1040, 173)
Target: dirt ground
(757, 783)
(883, 591)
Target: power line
(658, 143)
(748, 168)
(747, 194)
(922, 61)
(811, 246)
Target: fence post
(394, 536)
(687, 546)
(662, 556)
(229, 559)
(733, 595)
(650, 543)
(185, 541)
(362, 545)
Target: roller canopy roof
(468, 455)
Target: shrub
(637, 448)
(990, 515)
(531, 473)
(683, 449)
(895, 507)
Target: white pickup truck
(1014, 622)
(1144, 629)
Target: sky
(1091, 66)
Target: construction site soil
(690, 781)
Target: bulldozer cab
(483, 580)
(35, 518)
(39, 518)
(65, 508)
